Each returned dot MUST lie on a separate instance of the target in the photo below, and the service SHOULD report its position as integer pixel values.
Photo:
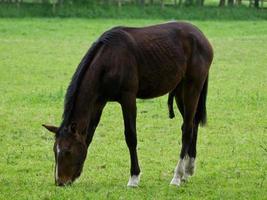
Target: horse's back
(154, 59)
(164, 52)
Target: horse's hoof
(134, 181)
(176, 182)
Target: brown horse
(128, 63)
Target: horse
(126, 63)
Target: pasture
(37, 60)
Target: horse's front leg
(95, 116)
(128, 104)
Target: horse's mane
(110, 38)
(76, 80)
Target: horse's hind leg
(192, 90)
(200, 117)
(190, 159)
(128, 103)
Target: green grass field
(37, 60)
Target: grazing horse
(126, 63)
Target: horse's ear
(52, 129)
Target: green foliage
(37, 60)
(128, 12)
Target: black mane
(110, 37)
(76, 80)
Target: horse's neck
(85, 101)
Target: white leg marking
(178, 173)
(191, 166)
(134, 181)
(186, 163)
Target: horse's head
(70, 152)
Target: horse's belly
(160, 74)
(148, 94)
(157, 85)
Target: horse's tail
(170, 104)
(201, 113)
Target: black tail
(201, 113)
(170, 104)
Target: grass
(37, 60)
